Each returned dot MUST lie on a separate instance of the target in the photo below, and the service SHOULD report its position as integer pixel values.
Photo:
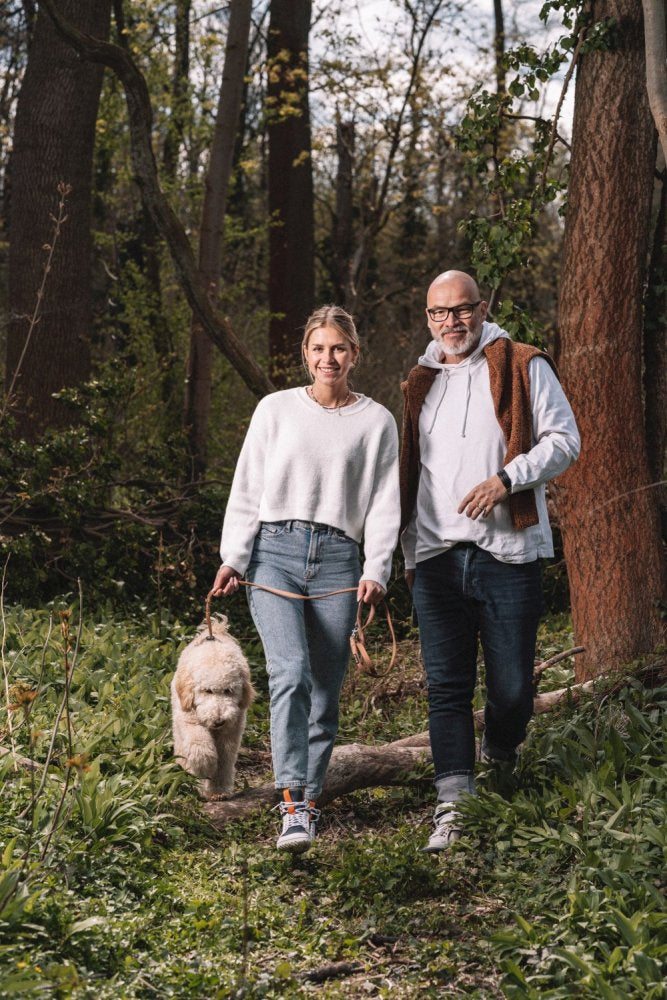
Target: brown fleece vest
(510, 389)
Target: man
(486, 424)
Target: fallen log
(356, 765)
(352, 767)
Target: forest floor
(113, 883)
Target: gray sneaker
(447, 828)
(299, 821)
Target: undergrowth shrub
(579, 848)
(97, 504)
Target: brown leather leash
(357, 635)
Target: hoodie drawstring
(465, 415)
(444, 378)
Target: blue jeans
(463, 595)
(306, 643)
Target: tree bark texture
(198, 381)
(655, 353)
(168, 225)
(54, 139)
(290, 182)
(608, 512)
(655, 34)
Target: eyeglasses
(440, 313)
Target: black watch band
(505, 480)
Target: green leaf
(86, 924)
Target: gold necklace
(329, 409)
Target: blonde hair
(336, 317)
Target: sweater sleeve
(384, 510)
(242, 513)
(555, 433)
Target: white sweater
(461, 445)
(301, 462)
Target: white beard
(468, 344)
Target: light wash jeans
(306, 643)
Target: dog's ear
(247, 694)
(185, 690)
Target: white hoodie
(462, 444)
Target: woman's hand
(370, 592)
(226, 582)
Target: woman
(318, 470)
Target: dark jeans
(461, 596)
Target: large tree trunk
(655, 355)
(53, 141)
(198, 381)
(291, 239)
(607, 511)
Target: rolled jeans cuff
(451, 787)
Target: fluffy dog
(210, 696)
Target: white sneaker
(299, 821)
(447, 828)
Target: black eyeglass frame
(453, 309)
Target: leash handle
(357, 636)
(207, 614)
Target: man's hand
(483, 498)
(410, 578)
(370, 592)
(226, 582)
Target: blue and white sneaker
(299, 824)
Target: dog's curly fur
(210, 695)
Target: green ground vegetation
(113, 884)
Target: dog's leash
(357, 635)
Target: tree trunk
(54, 138)
(291, 236)
(655, 354)
(607, 511)
(212, 230)
(180, 81)
(499, 45)
(344, 227)
(655, 35)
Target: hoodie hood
(431, 359)
(433, 353)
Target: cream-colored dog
(210, 696)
